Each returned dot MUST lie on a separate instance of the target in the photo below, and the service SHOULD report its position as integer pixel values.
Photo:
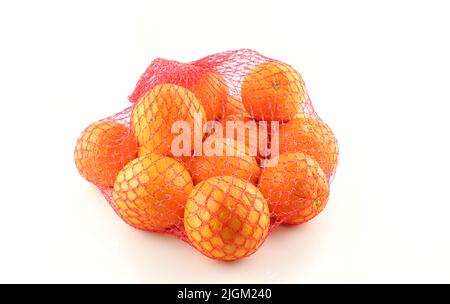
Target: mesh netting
(217, 152)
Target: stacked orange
(213, 188)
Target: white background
(377, 72)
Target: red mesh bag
(217, 152)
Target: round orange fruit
(273, 91)
(151, 191)
(226, 218)
(156, 112)
(102, 150)
(311, 136)
(295, 187)
(226, 157)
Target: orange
(211, 90)
(313, 137)
(234, 106)
(237, 162)
(226, 218)
(151, 191)
(155, 113)
(102, 150)
(246, 130)
(273, 91)
(295, 187)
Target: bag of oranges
(217, 152)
